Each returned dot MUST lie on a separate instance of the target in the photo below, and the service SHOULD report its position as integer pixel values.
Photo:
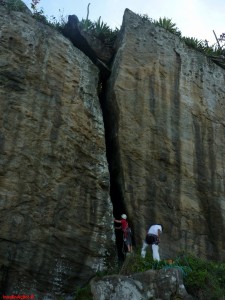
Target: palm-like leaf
(168, 25)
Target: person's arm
(117, 221)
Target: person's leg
(155, 252)
(143, 250)
(129, 243)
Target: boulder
(163, 284)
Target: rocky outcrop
(55, 209)
(99, 53)
(15, 5)
(163, 109)
(166, 113)
(162, 285)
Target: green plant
(16, 5)
(38, 14)
(195, 43)
(100, 30)
(205, 279)
(84, 293)
(167, 24)
(53, 22)
(58, 24)
(145, 17)
(101, 27)
(86, 24)
(34, 4)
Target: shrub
(205, 279)
(16, 5)
(100, 30)
(84, 293)
(167, 24)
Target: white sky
(194, 18)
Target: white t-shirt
(154, 229)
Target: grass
(202, 279)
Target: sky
(194, 18)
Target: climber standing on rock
(126, 231)
(152, 238)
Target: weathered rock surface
(102, 51)
(164, 284)
(55, 210)
(166, 113)
(15, 5)
(90, 46)
(164, 119)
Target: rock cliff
(166, 112)
(55, 209)
(153, 149)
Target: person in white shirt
(152, 238)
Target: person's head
(123, 216)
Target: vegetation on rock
(202, 279)
(16, 5)
(215, 52)
(168, 25)
(100, 30)
(103, 32)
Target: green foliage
(59, 23)
(195, 43)
(101, 27)
(53, 22)
(214, 52)
(39, 16)
(199, 45)
(145, 17)
(16, 5)
(203, 279)
(34, 4)
(84, 293)
(138, 264)
(86, 24)
(167, 24)
(100, 30)
(206, 279)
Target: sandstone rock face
(162, 285)
(102, 51)
(167, 117)
(55, 210)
